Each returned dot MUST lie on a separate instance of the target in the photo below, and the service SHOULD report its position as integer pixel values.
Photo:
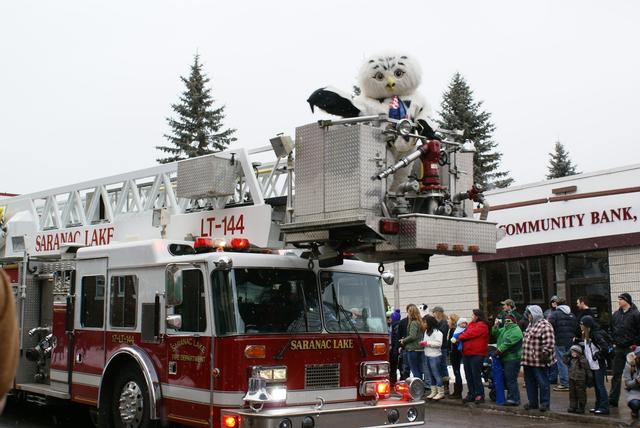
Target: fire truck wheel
(130, 401)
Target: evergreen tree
(460, 111)
(559, 163)
(198, 129)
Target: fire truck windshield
(266, 300)
(352, 300)
(269, 300)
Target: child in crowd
(461, 326)
(631, 377)
(580, 376)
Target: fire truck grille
(321, 376)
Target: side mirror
(174, 322)
(173, 286)
(388, 277)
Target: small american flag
(397, 109)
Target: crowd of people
(561, 347)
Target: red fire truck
(203, 293)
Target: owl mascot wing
(389, 85)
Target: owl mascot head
(389, 84)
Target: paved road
(29, 416)
(466, 417)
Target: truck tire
(130, 400)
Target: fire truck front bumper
(384, 413)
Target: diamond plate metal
(334, 167)
(334, 186)
(205, 177)
(319, 236)
(421, 231)
(350, 162)
(309, 167)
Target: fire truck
(219, 291)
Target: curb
(493, 408)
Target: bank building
(575, 236)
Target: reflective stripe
(329, 395)
(59, 375)
(227, 398)
(86, 379)
(300, 396)
(183, 393)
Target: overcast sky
(85, 86)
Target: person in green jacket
(411, 343)
(509, 350)
(509, 309)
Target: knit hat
(576, 348)
(395, 315)
(461, 320)
(626, 297)
(554, 299)
(438, 309)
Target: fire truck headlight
(280, 374)
(277, 393)
(270, 374)
(383, 370)
(374, 369)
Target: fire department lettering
(90, 238)
(304, 345)
(188, 341)
(189, 344)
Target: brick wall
(450, 282)
(624, 272)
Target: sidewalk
(619, 417)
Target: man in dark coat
(625, 332)
(583, 310)
(403, 364)
(394, 347)
(564, 325)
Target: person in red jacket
(475, 341)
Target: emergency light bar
(206, 245)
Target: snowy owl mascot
(389, 84)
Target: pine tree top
(197, 129)
(560, 164)
(461, 111)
